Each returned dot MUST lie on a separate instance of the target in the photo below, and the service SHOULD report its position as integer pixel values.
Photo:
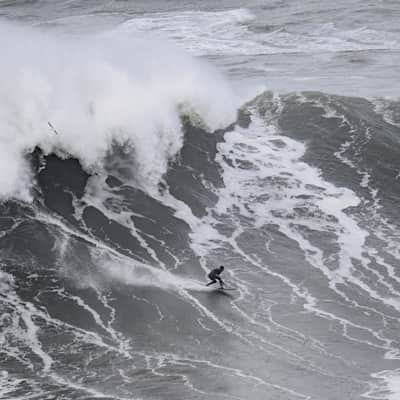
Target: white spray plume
(97, 91)
(137, 274)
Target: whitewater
(143, 144)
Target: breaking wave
(80, 97)
(129, 170)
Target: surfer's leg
(212, 282)
(221, 282)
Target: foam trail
(124, 345)
(165, 358)
(27, 336)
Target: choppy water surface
(144, 143)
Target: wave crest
(98, 91)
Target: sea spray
(98, 91)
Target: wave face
(130, 168)
(103, 282)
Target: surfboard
(227, 288)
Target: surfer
(214, 276)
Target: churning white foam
(97, 91)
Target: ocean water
(143, 143)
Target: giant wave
(155, 174)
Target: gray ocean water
(346, 47)
(143, 143)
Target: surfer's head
(221, 267)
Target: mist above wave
(97, 92)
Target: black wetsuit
(214, 276)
